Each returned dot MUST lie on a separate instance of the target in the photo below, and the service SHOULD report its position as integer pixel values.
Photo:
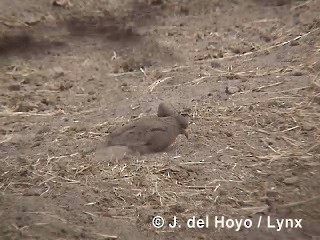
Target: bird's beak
(184, 132)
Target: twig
(90, 203)
(289, 141)
(266, 86)
(156, 83)
(289, 129)
(192, 163)
(69, 180)
(25, 114)
(47, 190)
(106, 236)
(124, 73)
(144, 72)
(216, 188)
(203, 187)
(261, 131)
(198, 80)
(268, 145)
(49, 179)
(7, 138)
(91, 214)
(82, 169)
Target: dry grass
(167, 181)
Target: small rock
(46, 101)
(298, 73)
(307, 127)
(316, 99)
(61, 3)
(65, 119)
(229, 134)
(125, 88)
(169, 34)
(272, 193)
(33, 192)
(24, 107)
(44, 129)
(232, 89)
(57, 72)
(199, 36)
(290, 180)
(27, 80)
(294, 43)
(179, 208)
(3, 131)
(95, 190)
(14, 87)
(65, 86)
(215, 64)
(186, 110)
(223, 192)
(32, 20)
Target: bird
(151, 134)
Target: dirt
(245, 73)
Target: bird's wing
(148, 134)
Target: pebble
(232, 89)
(290, 180)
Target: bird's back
(151, 133)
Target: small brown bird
(151, 134)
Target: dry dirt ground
(246, 73)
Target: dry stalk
(156, 83)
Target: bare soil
(246, 73)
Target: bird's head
(183, 123)
(165, 110)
